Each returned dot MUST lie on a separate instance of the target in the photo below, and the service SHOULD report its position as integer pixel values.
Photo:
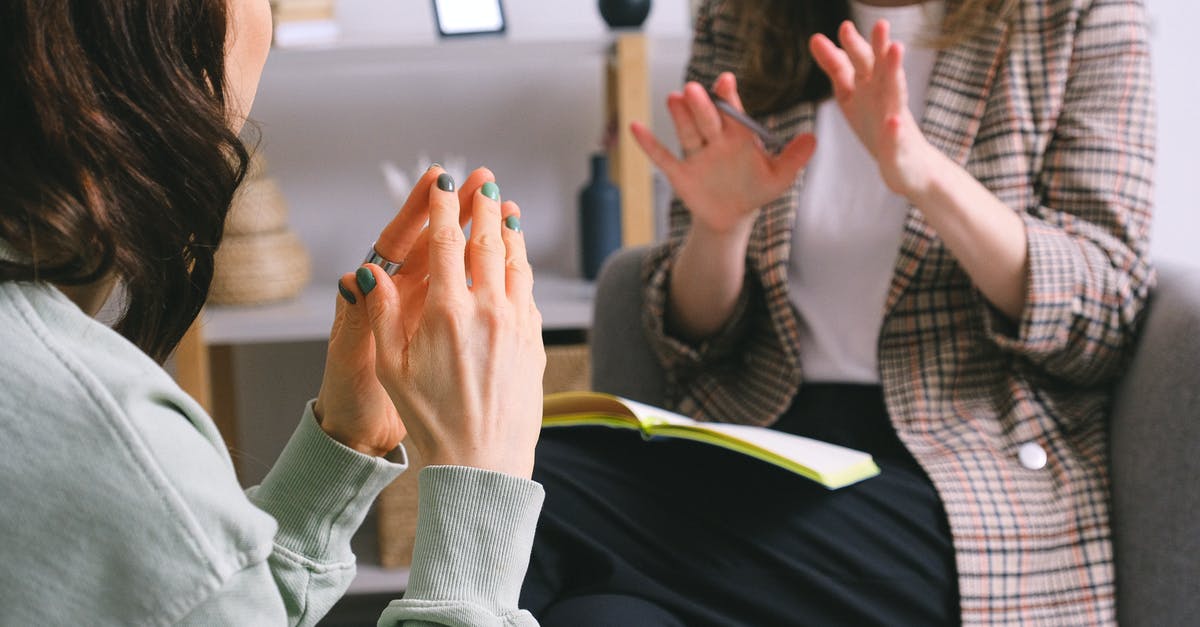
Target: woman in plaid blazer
(1018, 286)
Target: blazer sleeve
(1089, 275)
(677, 356)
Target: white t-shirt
(849, 225)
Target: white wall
(1176, 235)
(528, 105)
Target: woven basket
(258, 207)
(568, 368)
(259, 269)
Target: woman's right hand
(465, 369)
(725, 174)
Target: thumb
(350, 324)
(383, 309)
(787, 165)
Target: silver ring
(389, 266)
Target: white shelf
(565, 303)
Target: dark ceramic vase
(624, 13)
(599, 218)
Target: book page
(821, 457)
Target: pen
(768, 139)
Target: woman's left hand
(872, 91)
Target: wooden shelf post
(628, 88)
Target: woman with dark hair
(953, 285)
(119, 124)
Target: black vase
(599, 218)
(624, 13)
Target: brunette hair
(116, 155)
(778, 71)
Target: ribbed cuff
(320, 490)
(475, 531)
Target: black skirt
(671, 532)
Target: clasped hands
(725, 175)
(456, 366)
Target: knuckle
(486, 244)
(519, 265)
(495, 314)
(444, 307)
(447, 237)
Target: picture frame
(458, 18)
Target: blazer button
(1032, 456)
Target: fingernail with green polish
(513, 223)
(347, 294)
(366, 280)
(445, 182)
(491, 190)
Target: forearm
(707, 280)
(986, 237)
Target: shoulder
(112, 494)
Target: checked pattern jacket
(1052, 110)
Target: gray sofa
(1155, 433)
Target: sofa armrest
(1155, 432)
(622, 361)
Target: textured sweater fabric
(119, 504)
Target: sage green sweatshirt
(119, 504)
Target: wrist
(731, 242)
(344, 437)
(512, 466)
(929, 167)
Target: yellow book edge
(564, 409)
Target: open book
(830, 465)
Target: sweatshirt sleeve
(475, 532)
(319, 491)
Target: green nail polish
(445, 182)
(347, 294)
(366, 280)
(491, 190)
(513, 223)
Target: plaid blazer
(1052, 111)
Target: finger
(894, 81)
(447, 244)
(835, 63)
(518, 274)
(655, 150)
(685, 125)
(858, 50)
(418, 256)
(485, 253)
(467, 191)
(396, 240)
(880, 38)
(787, 165)
(382, 304)
(726, 87)
(708, 119)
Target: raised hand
(724, 175)
(464, 364)
(872, 91)
(352, 406)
